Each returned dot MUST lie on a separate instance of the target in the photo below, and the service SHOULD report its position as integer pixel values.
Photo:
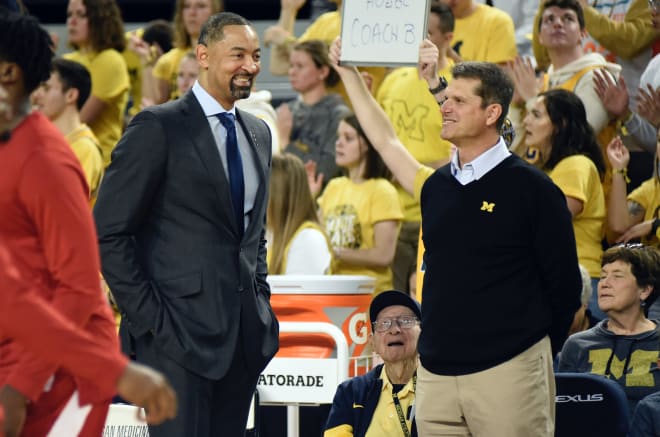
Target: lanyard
(399, 410)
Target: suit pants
(513, 399)
(206, 408)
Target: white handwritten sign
(382, 32)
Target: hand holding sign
(383, 32)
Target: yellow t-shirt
(350, 212)
(385, 421)
(327, 27)
(134, 67)
(648, 196)
(417, 120)
(486, 35)
(109, 84)
(167, 67)
(577, 177)
(86, 148)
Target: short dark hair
(159, 32)
(644, 262)
(76, 76)
(563, 4)
(445, 15)
(571, 132)
(375, 166)
(213, 29)
(495, 86)
(318, 51)
(23, 41)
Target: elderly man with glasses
(381, 403)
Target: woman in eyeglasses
(624, 346)
(381, 403)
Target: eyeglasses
(405, 322)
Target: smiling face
(463, 116)
(560, 28)
(77, 23)
(618, 290)
(396, 344)
(228, 67)
(538, 126)
(350, 149)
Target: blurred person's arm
(62, 343)
(375, 123)
(280, 37)
(621, 214)
(624, 38)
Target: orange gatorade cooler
(342, 300)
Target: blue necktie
(235, 168)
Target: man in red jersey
(47, 227)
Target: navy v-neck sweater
(501, 267)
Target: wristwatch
(441, 86)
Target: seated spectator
(361, 211)
(556, 126)
(60, 99)
(380, 403)
(297, 242)
(307, 126)
(96, 31)
(646, 418)
(623, 347)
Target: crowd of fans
(585, 110)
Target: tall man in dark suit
(180, 217)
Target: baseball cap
(393, 297)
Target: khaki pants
(513, 399)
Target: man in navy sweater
(502, 281)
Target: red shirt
(48, 228)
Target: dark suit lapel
(261, 152)
(197, 127)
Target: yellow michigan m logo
(486, 206)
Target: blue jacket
(355, 403)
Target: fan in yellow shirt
(60, 99)
(97, 33)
